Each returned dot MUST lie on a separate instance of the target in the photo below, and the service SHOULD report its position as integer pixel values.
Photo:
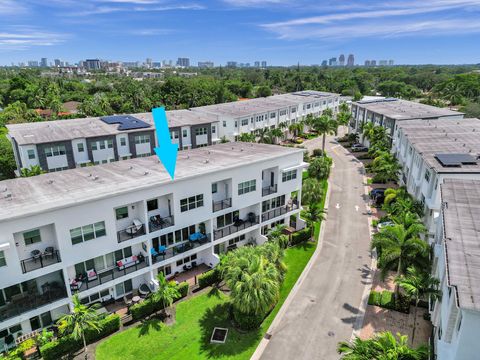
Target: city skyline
(281, 32)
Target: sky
(281, 32)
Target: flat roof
(27, 196)
(69, 129)
(431, 138)
(399, 109)
(461, 214)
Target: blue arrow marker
(166, 151)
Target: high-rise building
(33, 63)
(390, 62)
(231, 64)
(256, 64)
(44, 62)
(351, 60)
(332, 61)
(183, 62)
(264, 64)
(57, 62)
(373, 62)
(92, 64)
(383, 62)
(324, 63)
(341, 60)
(367, 62)
(148, 62)
(205, 64)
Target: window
(201, 131)
(213, 129)
(427, 175)
(110, 143)
(283, 112)
(94, 145)
(273, 115)
(102, 145)
(247, 186)
(31, 154)
(55, 151)
(184, 133)
(293, 110)
(123, 141)
(289, 175)
(142, 139)
(236, 239)
(87, 232)
(224, 124)
(214, 188)
(32, 237)
(152, 205)
(3, 262)
(191, 203)
(244, 122)
(80, 147)
(121, 213)
(174, 135)
(236, 124)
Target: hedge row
(149, 306)
(387, 300)
(301, 236)
(208, 278)
(67, 344)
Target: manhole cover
(219, 335)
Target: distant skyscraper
(324, 63)
(367, 62)
(247, 64)
(33, 63)
(92, 64)
(373, 62)
(57, 62)
(390, 62)
(350, 60)
(383, 62)
(231, 64)
(148, 62)
(44, 62)
(256, 64)
(264, 64)
(205, 64)
(332, 61)
(341, 60)
(184, 62)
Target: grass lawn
(189, 337)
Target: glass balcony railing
(40, 260)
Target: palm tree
(313, 215)
(319, 168)
(81, 319)
(295, 129)
(275, 134)
(367, 130)
(166, 293)
(411, 221)
(418, 284)
(325, 125)
(383, 346)
(264, 136)
(343, 118)
(312, 191)
(253, 282)
(344, 107)
(392, 194)
(399, 247)
(386, 167)
(284, 127)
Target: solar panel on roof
(456, 159)
(373, 101)
(126, 122)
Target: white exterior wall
(123, 150)
(23, 153)
(80, 157)
(56, 224)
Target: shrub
(402, 304)
(183, 289)
(301, 236)
(67, 344)
(317, 152)
(374, 298)
(208, 278)
(299, 141)
(383, 299)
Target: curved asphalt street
(325, 306)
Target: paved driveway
(325, 306)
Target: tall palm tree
(343, 107)
(253, 282)
(264, 136)
(383, 346)
(81, 319)
(312, 191)
(399, 247)
(313, 215)
(367, 130)
(418, 284)
(275, 134)
(295, 129)
(167, 291)
(325, 125)
(392, 194)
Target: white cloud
(151, 32)
(11, 7)
(23, 38)
(257, 3)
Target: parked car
(360, 149)
(377, 192)
(385, 224)
(357, 145)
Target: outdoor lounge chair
(134, 228)
(49, 251)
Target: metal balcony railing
(271, 214)
(158, 255)
(40, 261)
(222, 204)
(131, 232)
(269, 190)
(158, 223)
(235, 227)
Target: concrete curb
(281, 313)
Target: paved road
(325, 307)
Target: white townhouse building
(456, 315)
(106, 230)
(431, 152)
(249, 116)
(67, 144)
(389, 112)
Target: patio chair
(35, 254)
(127, 301)
(49, 251)
(134, 228)
(194, 263)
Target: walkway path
(325, 306)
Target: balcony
(161, 253)
(222, 204)
(271, 214)
(269, 190)
(238, 225)
(40, 260)
(107, 275)
(158, 223)
(132, 231)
